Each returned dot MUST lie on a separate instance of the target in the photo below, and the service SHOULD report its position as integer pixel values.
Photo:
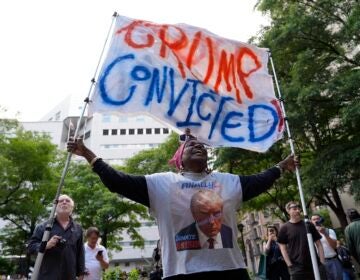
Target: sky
(50, 49)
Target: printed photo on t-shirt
(198, 214)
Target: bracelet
(93, 161)
(280, 168)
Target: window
(131, 131)
(165, 131)
(114, 132)
(123, 131)
(140, 131)
(140, 119)
(148, 131)
(157, 130)
(105, 132)
(127, 264)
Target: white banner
(188, 77)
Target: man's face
(208, 216)
(315, 219)
(92, 239)
(194, 151)
(294, 211)
(65, 205)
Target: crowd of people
(196, 212)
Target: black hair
(353, 214)
(92, 230)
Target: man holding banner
(168, 197)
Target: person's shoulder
(41, 226)
(101, 247)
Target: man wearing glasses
(294, 244)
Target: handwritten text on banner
(189, 77)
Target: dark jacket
(66, 260)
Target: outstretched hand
(76, 146)
(290, 163)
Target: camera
(99, 253)
(319, 222)
(62, 242)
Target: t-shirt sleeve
(130, 186)
(332, 234)
(282, 236)
(254, 185)
(315, 234)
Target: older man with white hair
(64, 254)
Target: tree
(97, 206)
(315, 48)
(238, 161)
(27, 185)
(153, 160)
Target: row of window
(135, 131)
(127, 146)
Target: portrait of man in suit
(207, 231)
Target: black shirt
(294, 236)
(64, 261)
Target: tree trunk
(104, 239)
(339, 212)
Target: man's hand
(52, 242)
(321, 229)
(76, 146)
(289, 163)
(99, 257)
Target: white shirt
(92, 264)
(204, 239)
(170, 195)
(329, 252)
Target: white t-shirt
(329, 252)
(92, 264)
(170, 195)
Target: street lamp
(241, 229)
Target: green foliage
(314, 45)
(114, 274)
(27, 185)
(244, 162)
(6, 267)
(134, 274)
(153, 160)
(97, 206)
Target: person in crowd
(168, 196)
(294, 246)
(344, 257)
(328, 239)
(64, 253)
(352, 233)
(276, 268)
(96, 256)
